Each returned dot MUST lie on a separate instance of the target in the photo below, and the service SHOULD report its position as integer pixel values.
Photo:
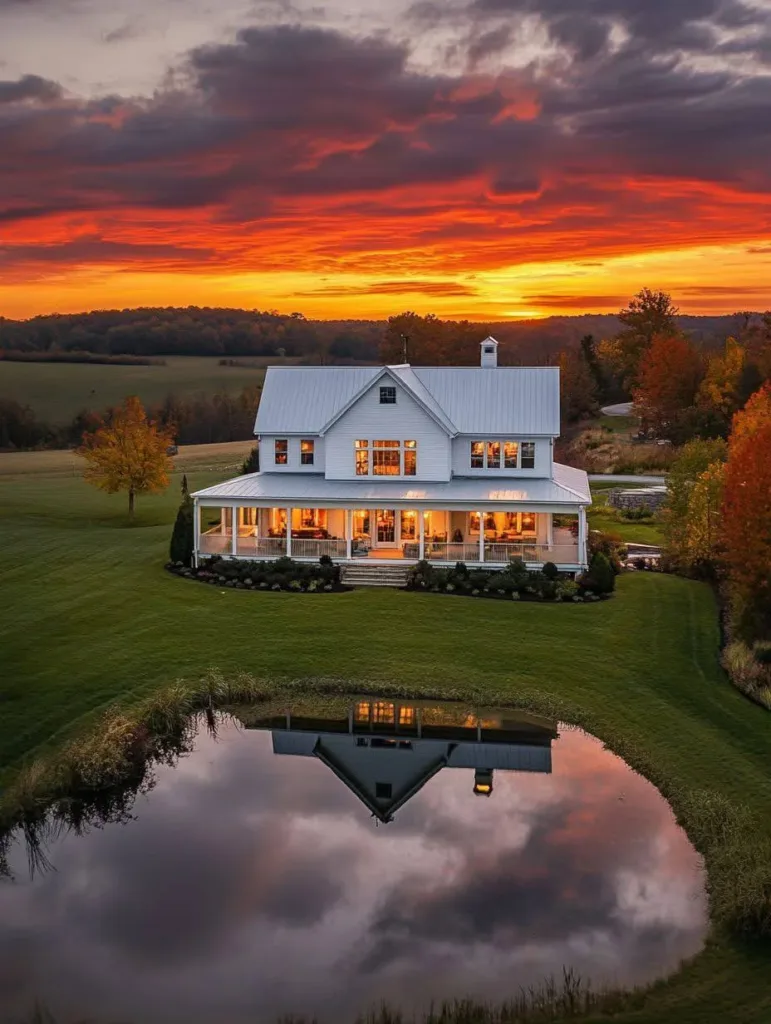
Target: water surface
(326, 860)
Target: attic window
(489, 350)
(383, 790)
(388, 396)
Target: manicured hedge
(516, 582)
(282, 574)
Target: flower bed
(516, 582)
(322, 577)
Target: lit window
(409, 524)
(510, 454)
(406, 716)
(306, 452)
(388, 396)
(361, 452)
(361, 714)
(493, 454)
(528, 455)
(313, 518)
(383, 713)
(281, 452)
(386, 458)
(477, 455)
(410, 460)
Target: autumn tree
(669, 376)
(746, 531)
(755, 415)
(722, 385)
(578, 392)
(128, 453)
(650, 314)
(702, 528)
(685, 519)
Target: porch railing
(453, 551)
(261, 547)
(504, 551)
(215, 543)
(303, 547)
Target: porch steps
(375, 575)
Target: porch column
(348, 532)
(550, 529)
(481, 536)
(582, 535)
(289, 532)
(196, 530)
(421, 534)
(234, 531)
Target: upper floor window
(502, 455)
(281, 449)
(361, 452)
(307, 449)
(386, 458)
(388, 396)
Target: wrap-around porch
(477, 536)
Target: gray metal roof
(465, 399)
(569, 487)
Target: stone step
(375, 575)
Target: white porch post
(348, 532)
(421, 534)
(550, 529)
(289, 532)
(196, 530)
(481, 536)
(234, 530)
(582, 535)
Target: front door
(386, 528)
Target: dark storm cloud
(305, 120)
(29, 87)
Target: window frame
(374, 457)
(281, 454)
(361, 457)
(307, 455)
(388, 394)
(531, 446)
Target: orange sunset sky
(479, 158)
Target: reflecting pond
(324, 858)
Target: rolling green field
(58, 391)
(90, 618)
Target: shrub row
(516, 582)
(282, 574)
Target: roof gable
(513, 400)
(415, 389)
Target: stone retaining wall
(653, 497)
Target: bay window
(385, 457)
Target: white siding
(461, 457)
(404, 421)
(293, 465)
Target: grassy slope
(601, 517)
(57, 391)
(89, 616)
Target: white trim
(289, 532)
(421, 535)
(196, 531)
(481, 535)
(582, 536)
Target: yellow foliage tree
(128, 453)
(721, 387)
(703, 521)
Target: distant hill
(205, 331)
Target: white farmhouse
(399, 463)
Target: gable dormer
(392, 429)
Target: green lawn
(602, 517)
(58, 391)
(90, 617)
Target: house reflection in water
(385, 752)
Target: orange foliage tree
(128, 453)
(746, 519)
(669, 376)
